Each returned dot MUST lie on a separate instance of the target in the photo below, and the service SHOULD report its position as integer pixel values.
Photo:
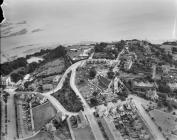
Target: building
(81, 120)
(145, 89)
(118, 86)
(6, 81)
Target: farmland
(42, 114)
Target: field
(165, 121)
(51, 68)
(41, 136)
(83, 133)
(46, 74)
(42, 114)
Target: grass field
(83, 133)
(52, 67)
(165, 121)
(41, 136)
(42, 114)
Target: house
(118, 86)
(7, 81)
(81, 120)
(26, 77)
(50, 127)
(146, 89)
(152, 94)
(3, 80)
(172, 85)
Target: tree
(160, 128)
(31, 67)
(110, 74)
(169, 106)
(100, 47)
(58, 52)
(159, 104)
(16, 77)
(163, 87)
(95, 93)
(94, 101)
(92, 73)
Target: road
(153, 128)
(11, 117)
(3, 131)
(94, 125)
(87, 110)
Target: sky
(72, 21)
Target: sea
(31, 25)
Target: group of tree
(58, 52)
(31, 67)
(99, 47)
(15, 77)
(8, 67)
(110, 74)
(68, 98)
(92, 73)
(174, 49)
(163, 87)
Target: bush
(8, 67)
(100, 47)
(67, 97)
(110, 74)
(16, 77)
(31, 67)
(92, 73)
(58, 52)
(93, 102)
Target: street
(153, 128)
(11, 117)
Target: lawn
(165, 121)
(83, 133)
(42, 114)
(56, 66)
(41, 136)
